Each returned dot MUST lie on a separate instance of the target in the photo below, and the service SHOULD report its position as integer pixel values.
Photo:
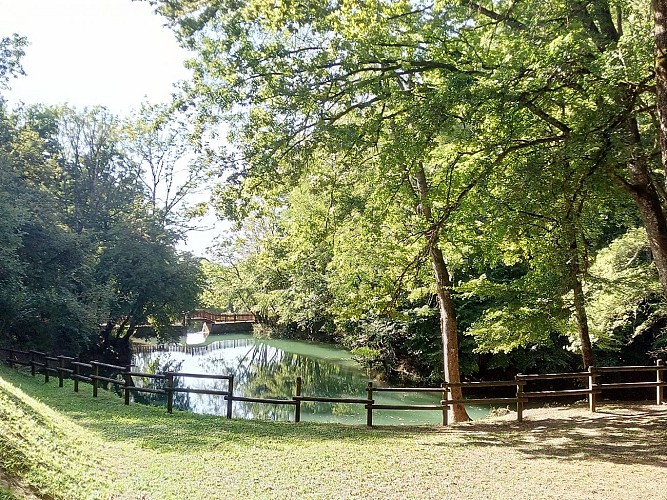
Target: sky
(115, 53)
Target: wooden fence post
(659, 391)
(592, 397)
(46, 368)
(77, 372)
(230, 401)
(32, 363)
(61, 368)
(369, 406)
(445, 409)
(10, 358)
(169, 386)
(297, 408)
(128, 384)
(519, 398)
(96, 373)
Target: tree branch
(496, 16)
(545, 116)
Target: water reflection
(268, 369)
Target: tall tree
(146, 281)
(79, 240)
(437, 96)
(329, 79)
(660, 33)
(12, 269)
(656, 197)
(170, 167)
(99, 182)
(54, 296)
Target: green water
(269, 368)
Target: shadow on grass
(628, 434)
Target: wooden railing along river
(95, 372)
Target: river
(268, 368)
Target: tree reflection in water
(268, 369)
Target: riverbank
(58, 444)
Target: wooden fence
(589, 385)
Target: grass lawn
(55, 443)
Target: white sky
(114, 53)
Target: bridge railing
(202, 315)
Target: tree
(11, 52)
(98, 182)
(659, 8)
(316, 85)
(12, 270)
(624, 299)
(581, 130)
(47, 269)
(169, 167)
(80, 244)
(146, 282)
(276, 266)
(434, 100)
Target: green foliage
(404, 348)
(519, 313)
(147, 280)
(366, 356)
(12, 270)
(274, 271)
(170, 167)
(624, 293)
(11, 52)
(47, 273)
(80, 248)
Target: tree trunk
(645, 193)
(656, 230)
(104, 342)
(651, 210)
(449, 331)
(448, 324)
(660, 20)
(123, 352)
(580, 309)
(640, 183)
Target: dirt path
(565, 453)
(644, 413)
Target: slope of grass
(55, 443)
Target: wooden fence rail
(121, 377)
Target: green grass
(6, 495)
(56, 443)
